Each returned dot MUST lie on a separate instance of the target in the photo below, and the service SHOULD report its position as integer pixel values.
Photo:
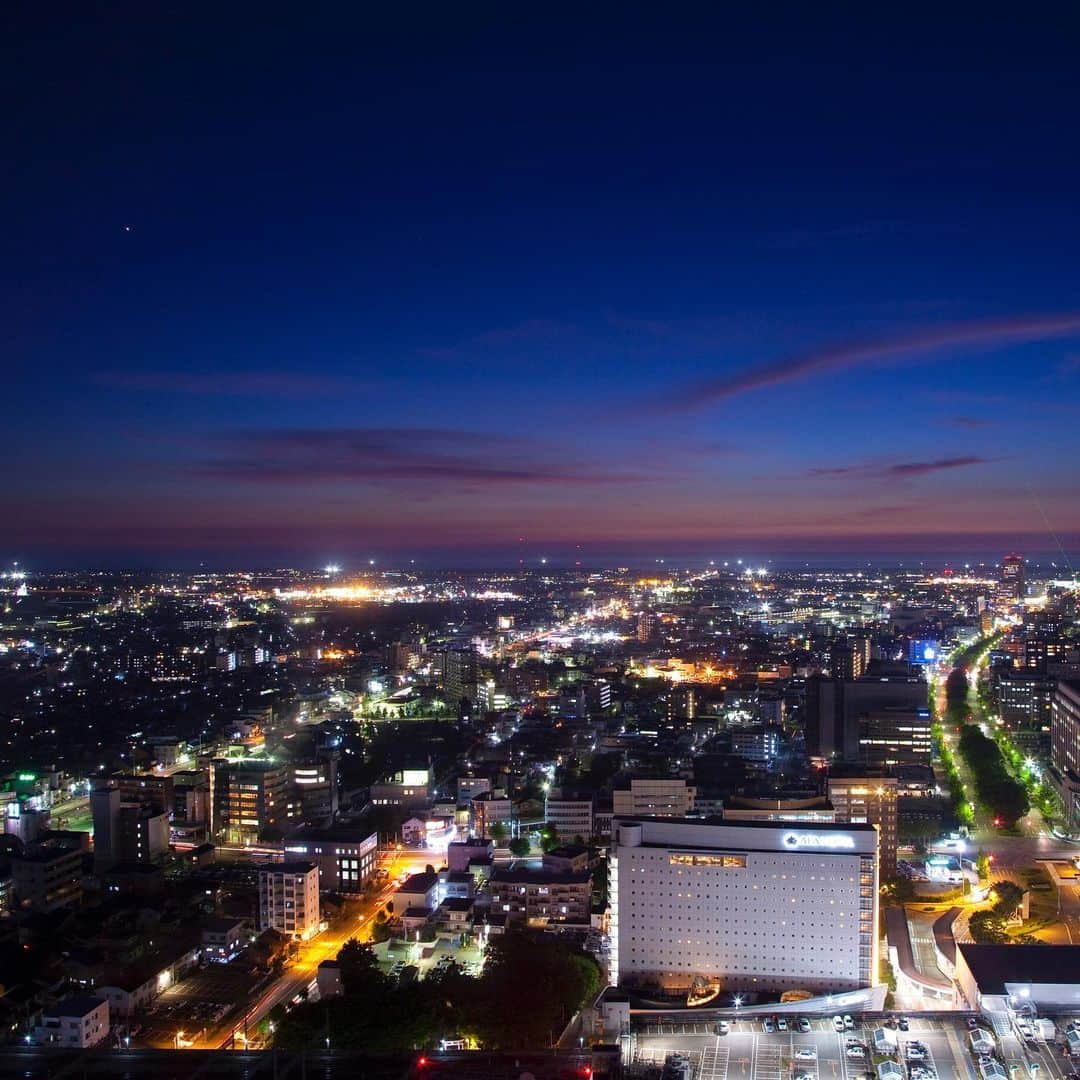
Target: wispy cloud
(235, 384)
(526, 334)
(400, 455)
(902, 470)
(989, 333)
(970, 421)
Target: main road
(301, 971)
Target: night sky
(312, 284)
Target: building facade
(870, 800)
(542, 897)
(1065, 748)
(570, 817)
(346, 859)
(250, 797)
(289, 898)
(668, 796)
(756, 906)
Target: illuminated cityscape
(540, 545)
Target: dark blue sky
(307, 284)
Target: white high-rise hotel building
(758, 905)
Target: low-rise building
(79, 1021)
(461, 853)
(222, 939)
(328, 979)
(541, 897)
(421, 891)
(488, 810)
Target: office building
(877, 719)
(896, 736)
(251, 797)
(131, 822)
(105, 813)
(758, 743)
(868, 800)
(459, 675)
(407, 788)
(289, 898)
(570, 817)
(803, 811)
(756, 906)
(190, 807)
(48, 875)
(1011, 587)
(849, 658)
(468, 787)
(1065, 749)
(316, 785)
(667, 796)
(346, 856)
(490, 809)
(646, 626)
(1024, 699)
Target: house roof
(75, 1005)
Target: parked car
(838, 1023)
(781, 1023)
(903, 1023)
(768, 1026)
(722, 1027)
(804, 1025)
(806, 1053)
(849, 1024)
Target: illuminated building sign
(832, 841)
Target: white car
(855, 1052)
(838, 1023)
(806, 1053)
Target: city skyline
(365, 290)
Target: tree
(360, 974)
(549, 839)
(1008, 897)
(987, 927)
(982, 865)
(519, 847)
(497, 832)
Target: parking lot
(198, 1003)
(748, 1052)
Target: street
(299, 975)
